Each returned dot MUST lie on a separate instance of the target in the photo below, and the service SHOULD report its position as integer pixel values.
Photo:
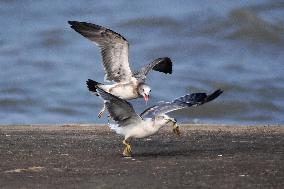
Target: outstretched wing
(160, 64)
(179, 103)
(114, 49)
(120, 110)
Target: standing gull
(131, 125)
(114, 50)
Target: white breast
(143, 129)
(124, 91)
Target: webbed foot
(127, 150)
(176, 129)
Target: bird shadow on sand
(168, 153)
(188, 150)
(161, 154)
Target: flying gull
(131, 125)
(114, 50)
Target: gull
(114, 50)
(131, 125)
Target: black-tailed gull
(114, 51)
(131, 125)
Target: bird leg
(175, 127)
(102, 111)
(127, 149)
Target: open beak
(146, 98)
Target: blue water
(233, 45)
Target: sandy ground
(88, 156)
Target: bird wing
(180, 103)
(120, 110)
(160, 64)
(114, 49)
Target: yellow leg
(176, 129)
(127, 149)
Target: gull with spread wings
(131, 125)
(114, 50)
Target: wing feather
(114, 49)
(160, 64)
(120, 110)
(180, 103)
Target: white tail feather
(115, 127)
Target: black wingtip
(214, 95)
(165, 65)
(74, 25)
(73, 22)
(92, 85)
(84, 28)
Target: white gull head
(144, 90)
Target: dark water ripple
(237, 46)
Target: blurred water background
(234, 45)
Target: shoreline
(89, 156)
(94, 125)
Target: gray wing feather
(120, 110)
(114, 49)
(160, 64)
(179, 103)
